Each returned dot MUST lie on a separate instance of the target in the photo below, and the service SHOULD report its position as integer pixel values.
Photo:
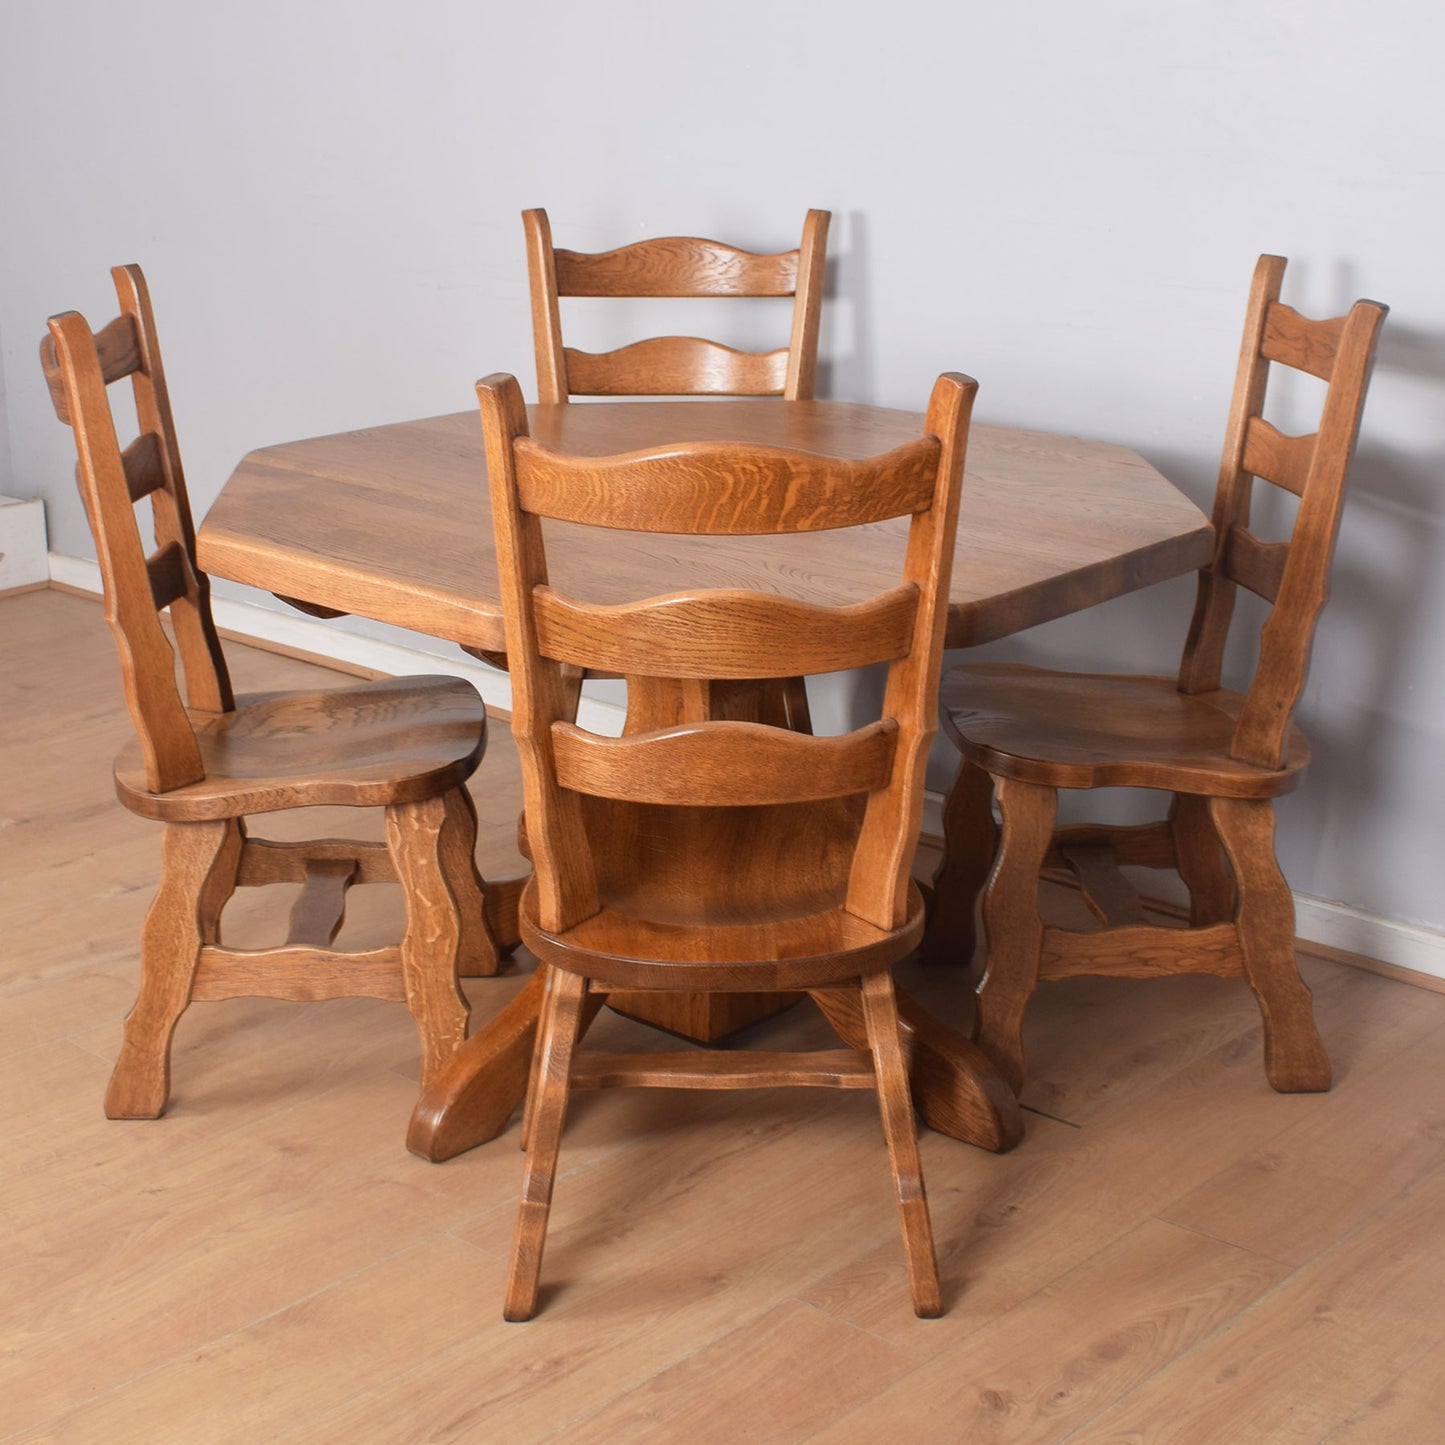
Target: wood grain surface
(394, 522)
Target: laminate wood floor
(1174, 1253)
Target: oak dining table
(393, 523)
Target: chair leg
(592, 1004)
(198, 875)
(970, 839)
(222, 881)
(429, 948)
(880, 1010)
(1294, 1055)
(561, 1024)
(1013, 931)
(1199, 857)
(534, 1073)
(477, 953)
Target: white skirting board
(1410, 946)
(23, 556)
(1392, 941)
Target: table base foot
(472, 1098)
(957, 1090)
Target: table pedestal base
(702, 1017)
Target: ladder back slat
(117, 343)
(1274, 457)
(1255, 564)
(724, 634)
(725, 489)
(1294, 340)
(170, 575)
(54, 378)
(117, 348)
(719, 764)
(676, 366)
(676, 266)
(144, 468)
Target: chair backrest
(676, 266)
(79, 365)
(724, 489)
(1291, 575)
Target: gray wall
(1064, 200)
(7, 470)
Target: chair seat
(395, 740)
(1083, 730)
(816, 950)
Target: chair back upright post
(878, 883)
(676, 266)
(565, 881)
(79, 365)
(1293, 576)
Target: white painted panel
(22, 543)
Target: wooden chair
(676, 266)
(679, 266)
(204, 760)
(722, 855)
(1224, 755)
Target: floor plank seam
(74, 1040)
(1044, 1114)
(919, 1357)
(1233, 1244)
(453, 1231)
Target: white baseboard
(1393, 941)
(23, 555)
(1332, 925)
